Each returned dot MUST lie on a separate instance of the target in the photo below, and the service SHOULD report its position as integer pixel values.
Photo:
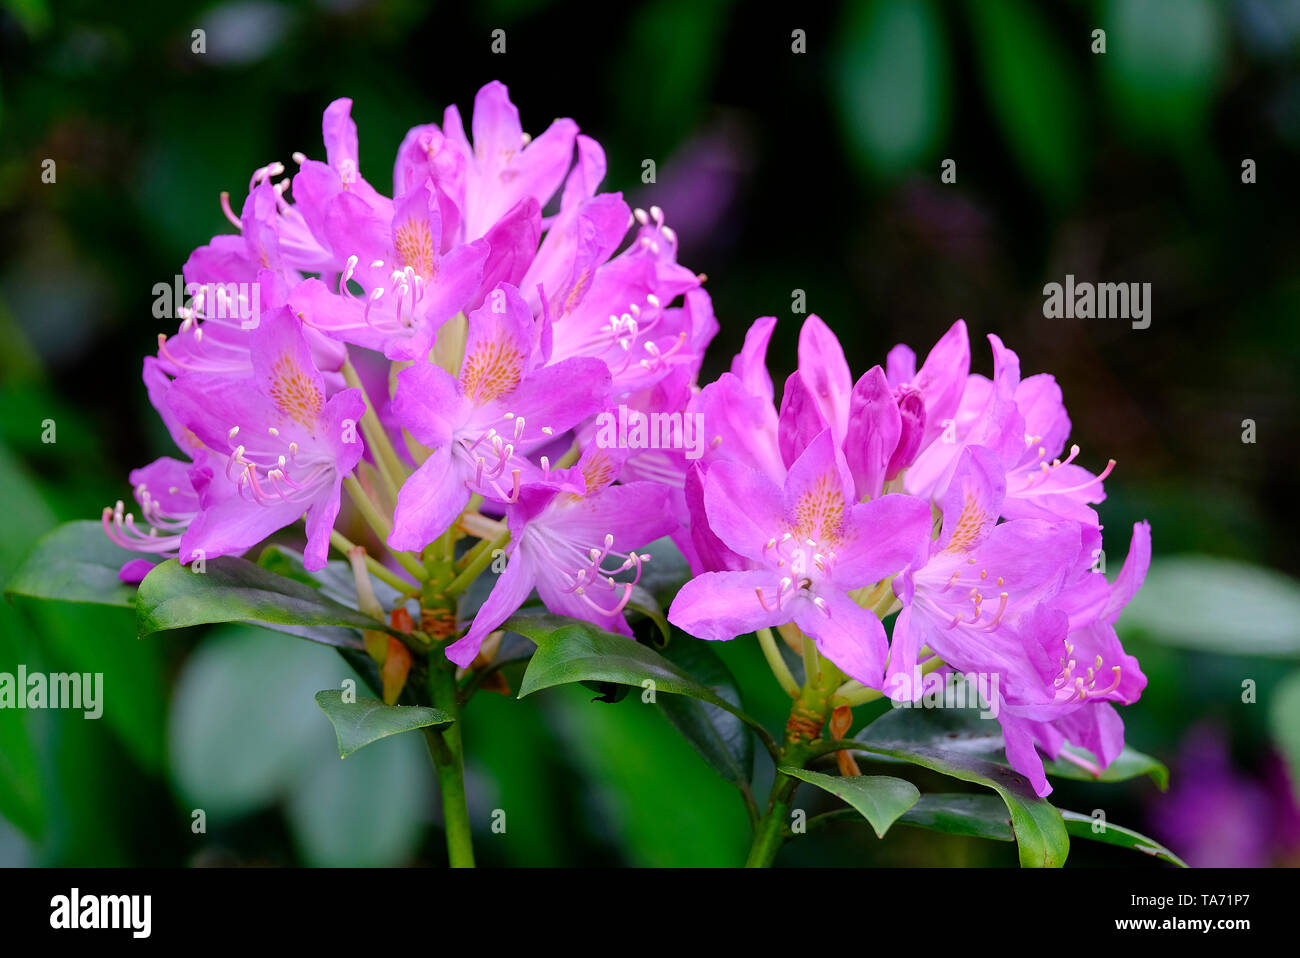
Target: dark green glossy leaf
(881, 799)
(719, 736)
(335, 580)
(365, 720)
(644, 602)
(569, 650)
(235, 590)
(75, 563)
(927, 737)
(1130, 763)
(1082, 826)
(961, 813)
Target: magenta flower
(563, 544)
(738, 410)
(1017, 600)
(168, 504)
(1089, 672)
(941, 380)
(980, 578)
(624, 316)
(410, 287)
(1025, 424)
(502, 166)
(480, 425)
(807, 545)
(288, 446)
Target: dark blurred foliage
(781, 171)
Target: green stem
(446, 746)
(390, 466)
(380, 524)
(808, 714)
(377, 569)
(477, 563)
(770, 835)
(447, 749)
(855, 693)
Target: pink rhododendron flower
(807, 545)
(1001, 585)
(484, 350)
(286, 446)
(570, 546)
(481, 424)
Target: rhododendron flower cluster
(505, 330)
(937, 494)
(448, 360)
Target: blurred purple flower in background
(1216, 816)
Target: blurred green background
(781, 171)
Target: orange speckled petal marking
(413, 241)
(969, 526)
(491, 370)
(294, 393)
(819, 510)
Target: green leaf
(577, 651)
(1081, 826)
(644, 602)
(879, 798)
(719, 736)
(1130, 763)
(1284, 721)
(666, 572)
(74, 563)
(336, 580)
(365, 720)
(536, 624)
(1218, 605)
(961, 813)
(891, 78)
(1032, 91)
(922, 737)
(235, 590)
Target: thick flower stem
(770, 835)
(803, 730)
(447, 750)
(438, 618)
